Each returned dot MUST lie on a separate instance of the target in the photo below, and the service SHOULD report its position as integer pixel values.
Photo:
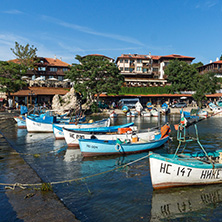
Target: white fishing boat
(41, 125)
(145, 113)
(185, 169)
(154, 112)
(72, 136)
(113, 114)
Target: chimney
(61, 58)
(217, 59)
(55, 58)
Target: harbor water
(107, 192)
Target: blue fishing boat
(91, 128)
(45, 124)
(20, 120)
(185, 169)
(95, 147)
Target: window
(53, 69)
(155, 69)
(51, 77)
(41, 68)
(120, 60)
(145, 70)
(60, 78)
(126, 60)
(126, 69)
(139, 61)
(65, 69)
(121, 68)
(131, 69)
(139, 69)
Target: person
(113, 105)
(16, 105)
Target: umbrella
(25, 77)
(183, 97)
(53, 79)
(39, 78)
(66, 80)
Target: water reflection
(181, 202)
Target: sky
(81, 27)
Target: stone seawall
(28, 204)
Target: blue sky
(68, 28)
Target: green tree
(221, 57)
(94, 75)
(26, 55)
(205, 84)
(10, 77)
(196, 65)
(180, 75)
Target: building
(146, 70)
(46, 69)
(215, 67)
(43, 82)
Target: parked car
(179, 105)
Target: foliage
(221, 57)
(94, 75)
(145, 90)
(180, 75)
(205, 84)
(26, 55)
(196, 65)
(10, 77)
(94, 107)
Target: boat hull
(167, 172)
(72, 137)
(21, 122)
(109, 147)
(58, 128)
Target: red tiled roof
(50, 61)
(154, 57)
(56, 62)
(41, 91)
(218, 62)
(177, 57)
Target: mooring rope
(23, 186)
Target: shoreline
(28, 204)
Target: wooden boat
(72, 136)
(145, 113)
(164, 108)
(113, 114)
(95, 147)
(46, 125)
(20, 120)
(59, 132)
(154, 112)
(185, 169)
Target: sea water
(107, 192)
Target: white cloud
(13, 11)
(91, 31)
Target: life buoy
(118, 147)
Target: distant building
(47, 68)
(215, 67)
(146, 70)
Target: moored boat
(129, 133)
(95, 147)
(46, 125)
(20, 120)
(185, 169)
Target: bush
(94, 107)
